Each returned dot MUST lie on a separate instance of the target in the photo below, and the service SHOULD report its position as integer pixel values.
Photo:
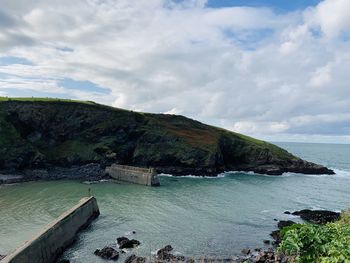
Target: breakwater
(136, 175)
(49, 243)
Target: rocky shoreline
(96, 172)
(125, 245)
(87, 172)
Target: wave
(221, 175)
(338, 173)
(99, 181)
(341, 173)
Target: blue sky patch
(82, 85)
(249, 39)
(65, 49)
(10, 60)
(278, 5)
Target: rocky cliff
(44, 133)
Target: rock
(317, 216)
(107, 253)
(129, 243)
(261, 256)
(64, 261)
(281, 224)
(246, 251)
(134, 232)
(2, 257)
(165, 249)
(120, 239)
(135, 259)
(267, 242)
(124, 242)
(276, 236)
(287, 212)
(164, 254)
(275, 219)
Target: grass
(77, 131)
(33, 99)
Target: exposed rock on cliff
(44, 133)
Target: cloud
(332, 17)
(248, 69)
(321, 77)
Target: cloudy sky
(275, 69)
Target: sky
(278, 70)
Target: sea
(197, 216)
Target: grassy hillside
(44, 132)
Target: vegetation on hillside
(41, 132)
(328, 243)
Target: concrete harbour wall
(133, 174)
(50, 243)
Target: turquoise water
(197, 216)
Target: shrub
(318, 243)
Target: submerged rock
(125, 242)
(267, 242)
(164, 254)
(317, 216)
(165, 249)
(107, 253)
(135, 259)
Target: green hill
(41, 133)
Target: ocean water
(215, 217)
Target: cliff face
(39, 133)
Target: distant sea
(215, 217)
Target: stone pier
(50, 243)
(136, 175)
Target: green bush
(316, 243)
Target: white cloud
(321, 77)
(247, 69)
(260, 127)
(173, 111)
(332, 16)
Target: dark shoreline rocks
(269, 255)
(285, 223)
(276, 233)
(87, 172)
(317, 216)
(95, 172)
